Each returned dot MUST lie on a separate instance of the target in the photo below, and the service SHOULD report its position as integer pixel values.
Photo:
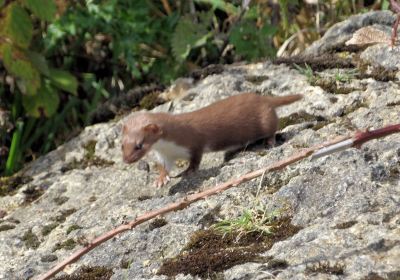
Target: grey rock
(347, 203)
(341, 32)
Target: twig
(358, 140)
(166, 6)
(396, 8)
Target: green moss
(277, 264)
(332, 86)
(30, 239)
(48, 228)
(68, 244)
(354, 107)
(157, 223)
(378, 73)
(90, 149)
(10, 185)
(373, 276)
(6, 227)
(60, 200)
(393, 104)
(394, 172)
(125, 263)
(301, 117)
(210, 251)
(63, 215)
(89, 273)
(32, 193)
(326, 267)
(317, 63)
(89, 159)
(277, 184)
(345, 225)
(149, 101)
(49, 258)
(143, 197)
(257, 80)
(72, 228)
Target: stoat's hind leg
(194, 164)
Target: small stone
(3, 213)
(49, 258)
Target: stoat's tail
(277, 101)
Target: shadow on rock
(193, 181)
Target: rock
(346, 204)
(341, 32)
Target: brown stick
(166, 6)
(183, 203)
(363, 137)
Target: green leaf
(187, 36)
(45, 102)
(43, 9)
(251, 42)
(39, 62)
(16, 25)
(18, 64)
(15, 149)
(64, 80)
(222, 5)
(2, 3)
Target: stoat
(224, 125)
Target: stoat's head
(138, 137)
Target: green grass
(307, 71)
(256, 219)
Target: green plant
(256, 219)
(345, 76)
(38, 85)
(106, 47)
(307, 71)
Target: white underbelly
(168, 152)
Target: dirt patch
(89, 159)
(209, 251)
(345, 225)
(32, 193)
(300, 117)
(89, 272)
(317, 63)
(60, 218)
(326, 267)
(10, 185)
(30, 239)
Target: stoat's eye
(138, 146)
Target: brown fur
(226, 124)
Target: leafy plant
(189, 35)
(307, 71)
(38, 85)
(61, 59)
(251, 42)
(256, 219)
(345, 76)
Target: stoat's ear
(153, 129)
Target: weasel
(224, 125)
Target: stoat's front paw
(162, 180)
